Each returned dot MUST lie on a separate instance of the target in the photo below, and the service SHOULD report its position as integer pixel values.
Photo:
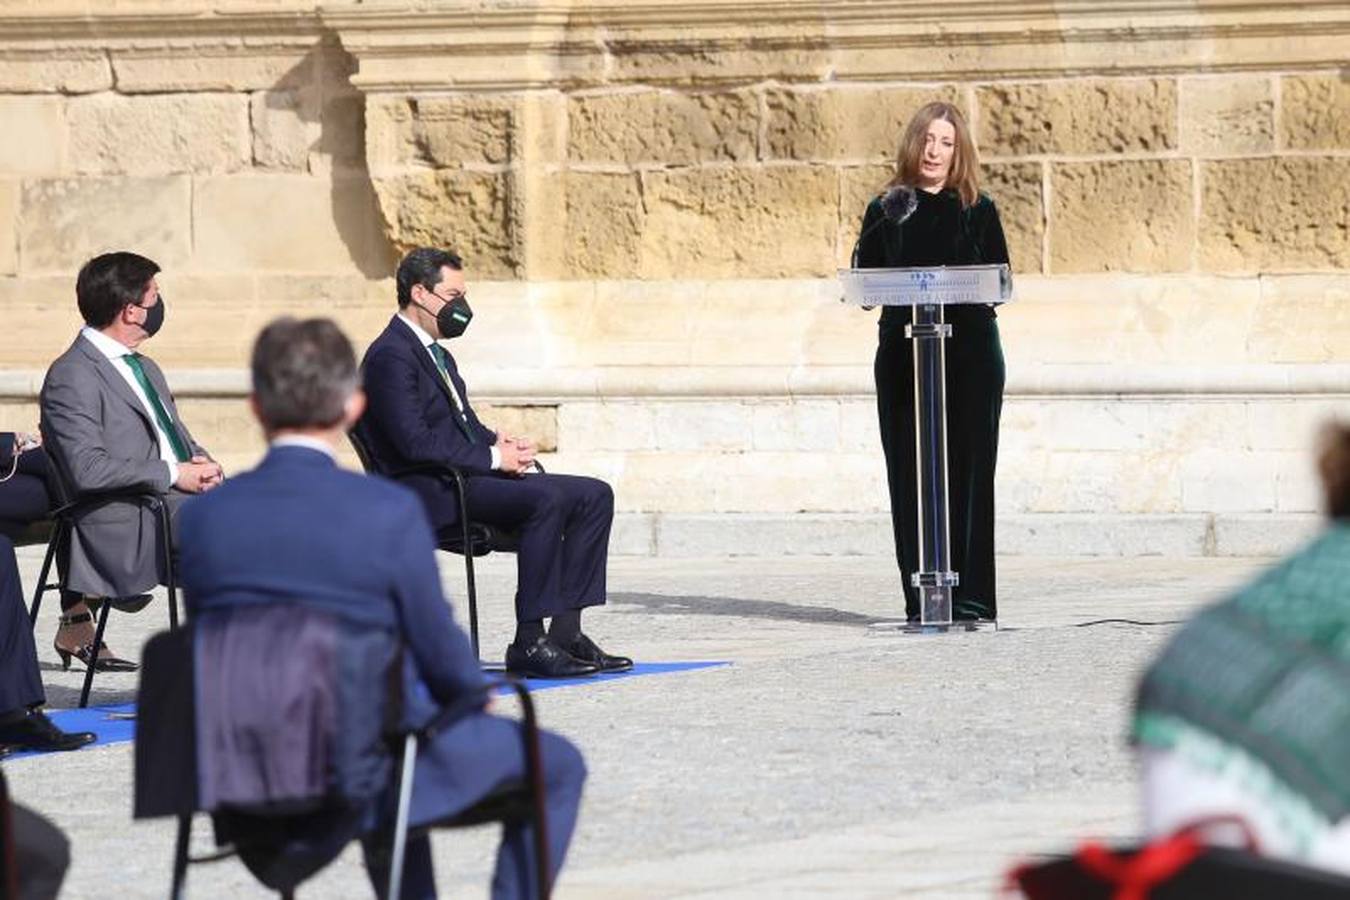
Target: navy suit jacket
(300, 529)
(411, 418)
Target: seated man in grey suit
(110, 424)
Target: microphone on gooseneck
(897, 205)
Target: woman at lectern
(933, 214)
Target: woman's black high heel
(85, 652)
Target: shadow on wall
(313, 120)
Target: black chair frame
(474, 538)
(512, 802)
(9, 870)
(63, 526)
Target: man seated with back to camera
(420, 413)
(300, 529)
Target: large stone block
(1315, 111)
(1118, 115)
(1227, 115)
(663, 127)
(213, 68)
(537, 424)
(37, 144)
(857, 186)
(158, 134)
(1016, 188)
(843, 121)
(1302, 319)
(286, 125)
(1134, 216)
(1275, 213)
(778, 221)
(68, 71)
(801, 425)
(440, 132)
(470, 211)
(9, 235)
(65, 221)
(620, 425)
(1229, 481)
(293, 223)
(599, 232)
(703, 425)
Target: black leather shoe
(545, 659)
(37, 732)
(585, 649)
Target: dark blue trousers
(458, 768)
(564, 523)
(20, 682)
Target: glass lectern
(930, 292)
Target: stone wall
(652, 200)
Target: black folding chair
(9, 868)
(165, 734)
(63, 527)
(474, 538)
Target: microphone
(897, 205)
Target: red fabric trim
(1136, 875)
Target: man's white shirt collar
(426, 339)
(309, 443)
(104, 344)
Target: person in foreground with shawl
(1246, 712)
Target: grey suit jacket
(101, 438)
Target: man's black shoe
(37, 732)
(585, 649)
(545, 659)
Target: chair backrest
(358, 441)
(287, 711)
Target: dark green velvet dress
(941, 233)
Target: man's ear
(353, 409)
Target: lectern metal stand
(929, 292)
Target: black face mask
(453, 318)
(154, 318)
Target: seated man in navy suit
(420, 413)
(299, 528)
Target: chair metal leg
(169, 573)
(405, 784)
(53, 547)
(180, 857)
(92, 663)
(472, 590)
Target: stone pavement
(823, 762)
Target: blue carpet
(111, 726)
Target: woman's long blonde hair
(964, 176)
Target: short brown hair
(303, 373)
(965, 173)
(1333, 463)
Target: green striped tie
(442, 358)
(180, 449)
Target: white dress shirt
(114, 351)
(309, 443)
(426, 341)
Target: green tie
(442, 358)
(180, 449)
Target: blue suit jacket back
(300, 529)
